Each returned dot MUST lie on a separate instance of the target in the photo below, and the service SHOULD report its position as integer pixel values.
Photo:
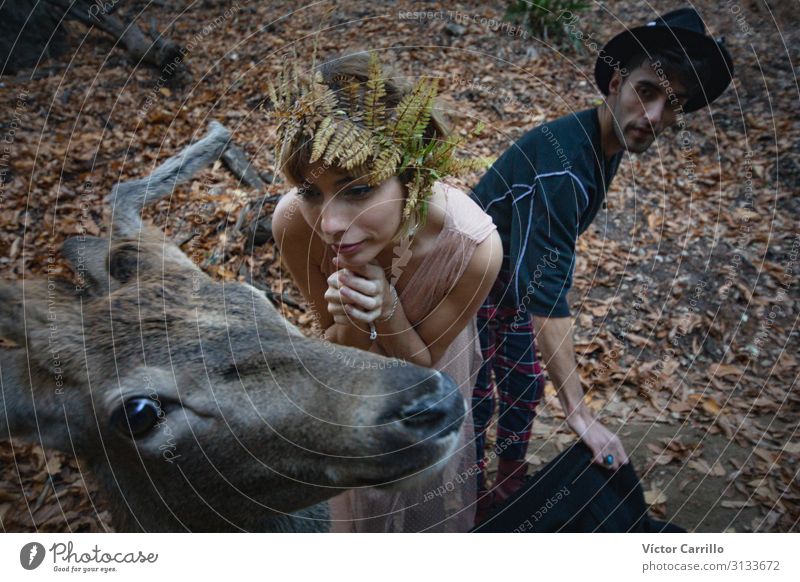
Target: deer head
(196, 405)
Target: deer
(193, 402)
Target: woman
(388, 259)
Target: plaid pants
(509, 351)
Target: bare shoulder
(466, 214)
(484, 265)
(437, 207)
(287, 219)
(290, 229)
(487, 258)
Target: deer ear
(130, 259)
(87, 255)
(125, 261)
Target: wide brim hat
(682, 30)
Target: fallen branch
(241, 167)
(160, 52)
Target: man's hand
(554, 337)
(601, 441)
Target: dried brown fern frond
(322, 138)
(386, 164)
(374, 106)
(357, 130)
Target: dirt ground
(677, 493)
(677, 286)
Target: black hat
(682, 30)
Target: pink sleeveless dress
(446, 502)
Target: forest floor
(685, 297)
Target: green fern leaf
(414, 112)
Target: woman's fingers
(345, 295)
(336, 303)
(342, 319)
(361, 315)
(366, 286)
(333, 295)
(335, 279)
(355, 296)
(359, 300)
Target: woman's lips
(348, 249)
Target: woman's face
(356, 220)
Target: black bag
(572, 494)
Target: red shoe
(510, 477)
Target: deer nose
(422, 413)
(440, 410)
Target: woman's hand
(362, 296)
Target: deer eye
(137, 417)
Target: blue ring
(609, 460)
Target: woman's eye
(308, 194)
(358, 191)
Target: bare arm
(554, 338)
(425, 343)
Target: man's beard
(632, 145)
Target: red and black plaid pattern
(511, 368)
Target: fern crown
(354, 129)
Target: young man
(542, 194)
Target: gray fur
(260, 424)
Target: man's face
(644, 104)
